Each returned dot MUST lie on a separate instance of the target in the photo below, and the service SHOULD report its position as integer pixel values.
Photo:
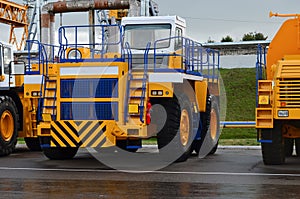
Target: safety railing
(260, 66)
(40, 55)
(194, 57)
(106, 44)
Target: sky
(214, 19)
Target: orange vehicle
(278, 93)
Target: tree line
(251, 36)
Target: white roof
(153, 20)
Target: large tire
(273, 153)
(288, 146)
(211, 129)
(297, 143)
(60, 153)
(33, 144)
(8, 125)
(176, 136)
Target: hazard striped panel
(78, 134)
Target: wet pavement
(230, 173)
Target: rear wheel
(60, 153)
(33, 143)
(8, 125)
(176, 136)
(210, 126)
(297, 143)
(288, 146)
(273, 153)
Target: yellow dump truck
(278, 93)
(137, 80)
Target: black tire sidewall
(169, 139)
(7, 104)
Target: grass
(240, 87)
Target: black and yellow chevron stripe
(78, 133)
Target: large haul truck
(278, 93)
(17, 111)
(139, 80)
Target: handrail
(260, 66)
(144, 84)
(67, 40)
(129, 53)
(195, 58)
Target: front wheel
(176, 136)
(273, 153)
(60, 153)
(8, 125)
(33, 143)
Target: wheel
(60, 153)
(33, 143)
(176, 135)
(123, 144)
(210, 126)
(288, 146)
(297, 143)
(273, 153)
(8, 125)
(214, 149)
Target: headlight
(74, 54)
(283, 113)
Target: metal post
(92, 31)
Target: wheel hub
(184, 127)
(7, 125)
(213, 124)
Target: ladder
(48, 103)
(136, 90)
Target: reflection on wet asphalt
(227, 174)
(16, 188)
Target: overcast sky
(214, 19)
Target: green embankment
(239, 86)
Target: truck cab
(157, 35)
(6, 59)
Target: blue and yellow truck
(135, 81)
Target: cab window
(178, 35)
(7, 56)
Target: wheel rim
(213, 124)
(184, 127)
(7, 125)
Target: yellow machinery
(278, 93)
(145, 80)
(17, 113)
(14, 15)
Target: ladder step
(138, 79)
(136, 88)
(137, 97)
(50, 80)
(49, 107)
(51, 89)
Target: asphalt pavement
(233, 172)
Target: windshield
(138, 36)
